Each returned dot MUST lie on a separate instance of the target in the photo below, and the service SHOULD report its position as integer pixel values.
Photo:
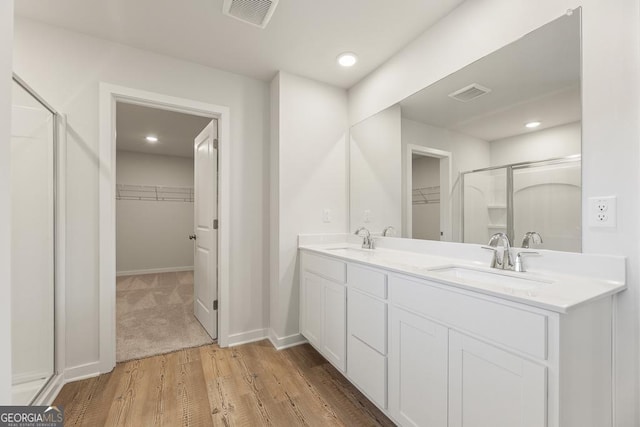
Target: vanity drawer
(521, 330)
(368, 370)
(325, 267)
(367, 280)
(368, 320)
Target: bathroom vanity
(446, 341)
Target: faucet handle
(519, 266)
(495, 261)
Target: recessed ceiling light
(152, 138)
(347, 59)
(532, 125)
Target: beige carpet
(154, 315)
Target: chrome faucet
(531, 237)
(389, 232)
(502, 259)
(367, 240)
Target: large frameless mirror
(493, 147)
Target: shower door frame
(509, 168)
(55, 382)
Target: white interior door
(205, 289)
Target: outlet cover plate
(602, 211)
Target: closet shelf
(154, 193)
(425, 195)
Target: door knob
(192, 237)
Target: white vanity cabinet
(432, 354)
(492, 387)
(367, 321)
(323, 307)
(418, 370)
(463, 359)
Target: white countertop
(560, 291)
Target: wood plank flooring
(249, 385)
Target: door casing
(109, 95)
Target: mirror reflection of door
(425, 190)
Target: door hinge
(215, 224)
(215, 144)
(215, 304)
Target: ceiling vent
(470, 92)
(254, 12)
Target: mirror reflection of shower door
(547, 198)
(484, 205)
(32, 245)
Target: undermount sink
(489, 277)
(347, 251)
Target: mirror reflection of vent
(470, 92)
(254, 12)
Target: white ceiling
(304, 37)
(175, 131)
(536, 78)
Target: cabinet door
(417, 370)
(334, 324)
(491, 387)
(311, 316)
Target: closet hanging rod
(157, 193)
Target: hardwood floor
(248, 385)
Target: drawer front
(368, 320)
(367, 280)
(521, 330)
(368, 370)
(324, 266)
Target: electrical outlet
(602, 211)
(367, 216)
(326, 215)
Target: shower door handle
(192, 237)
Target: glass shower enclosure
(33, 183)
(542, 196)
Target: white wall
(558, 141)
(467, 153)
(375, 179)
(152, 235)
(610, 152)
(426, 217)
(6, 38)
(66, 68)
(310, 136)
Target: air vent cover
(254, 12)
(470, 92)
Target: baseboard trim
(50, 392)
(153, 271)
(82, 372)
(280, 343)
(247, 337)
